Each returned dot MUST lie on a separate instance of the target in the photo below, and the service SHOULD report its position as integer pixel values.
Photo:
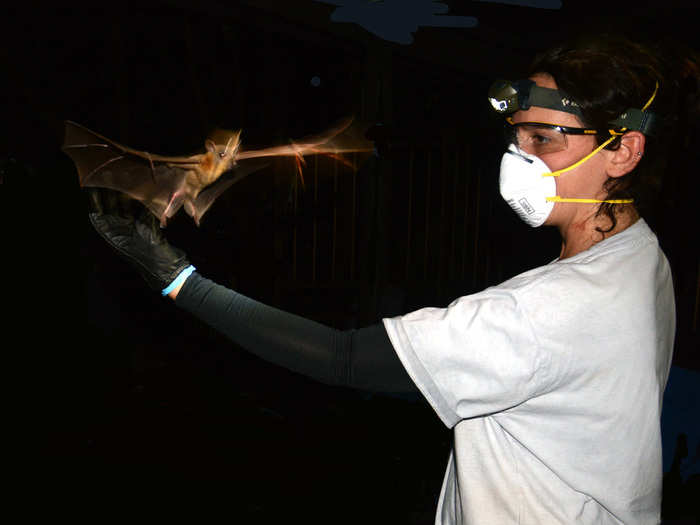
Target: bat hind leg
(192, 211)
(172, 207)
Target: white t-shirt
(553, 382)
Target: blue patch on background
(396, 20)
(680, 416)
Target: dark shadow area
(129, 406)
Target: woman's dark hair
(606, 75)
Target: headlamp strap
(635, 119)
(552, 99)
(638, 119)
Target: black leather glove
(144, 246)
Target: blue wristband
(184, 274)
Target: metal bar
(294, 228)
(315, 222)
(354, 215)
(466, 217)
(335, 219)
(487, 252)
(477, 206)
(427, 214)
(411, 159)
(193, 76)
(453, 239)
(121, 81)
(442, 225)
(362, 102)
(697, 303)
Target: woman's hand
(142, 244)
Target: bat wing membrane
(103, 163)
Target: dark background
(128, 403)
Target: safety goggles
(507, 97)
(538, 138)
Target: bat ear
(209, 144)
(235, 142)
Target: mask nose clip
(518, 154)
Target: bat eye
(222, 154)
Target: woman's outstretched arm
(362, 358)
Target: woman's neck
(579, 236)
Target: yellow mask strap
(584, 159)
(557, 198)
(651, 99)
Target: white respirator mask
(528, 186)
(524, 187)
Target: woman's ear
(627, 156)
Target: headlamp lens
(499, 105)
(503, 97)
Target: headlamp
(507, 97)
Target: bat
(164, 184)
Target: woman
(552, 380)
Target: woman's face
(585, 181)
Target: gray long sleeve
(363, 358)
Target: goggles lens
(536, 139)
(539, 138)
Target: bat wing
(207, 196)
(347, 136)
(103, 163)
